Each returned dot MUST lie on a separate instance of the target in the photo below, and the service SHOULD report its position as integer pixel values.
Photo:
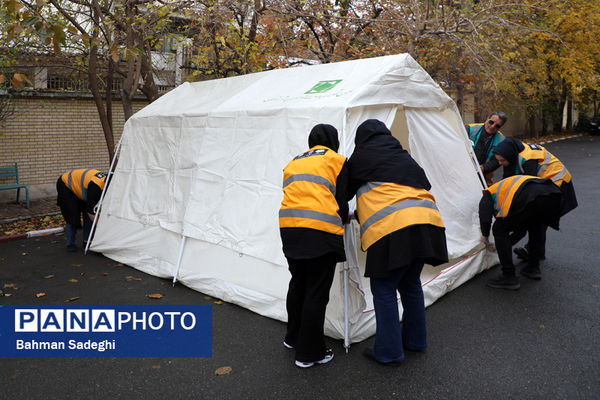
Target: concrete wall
(48, 135)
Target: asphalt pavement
(540, 342)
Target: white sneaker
(328, 357)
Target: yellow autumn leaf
(70, 299)
(155, 296)
(156, 367)
(218, 302)
(9, 285)
(73, 280)
(49, 276)
(41, 294)
(223, 370)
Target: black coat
(379, 157)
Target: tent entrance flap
(399, 128)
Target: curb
(31, 234)
(8, 221)
(562, 138)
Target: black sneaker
(532, 272)
(504, 282)
(328, 357)
(287, 345)
(522, 253)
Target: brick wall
(50, 135)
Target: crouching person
(519, 203)
(78, 193)
(311, 219)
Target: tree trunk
(149, 87)
(94, 88)
(532, 125)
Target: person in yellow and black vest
(519, 203)
(534, 160)
(485, 137)
(401, 229)
(78, 192)
(311, 219)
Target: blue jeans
(392, 336)
(71, 231)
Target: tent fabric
(205, 162)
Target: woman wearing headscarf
(401, 229)
(311, 219)
(519, 158)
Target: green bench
(7, 172)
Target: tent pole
(99, 205)
(346, 319)
(179, 259)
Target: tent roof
(396, 79)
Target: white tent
(197, 189)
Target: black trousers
(307, 298)
(533, 221)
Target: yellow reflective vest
(309, 191)
(503, 193)
(78, 181)
(549, 166)
(385, 207)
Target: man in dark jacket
(485, 137)
(311, 219)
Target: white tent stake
(346, 318)
(179, 259)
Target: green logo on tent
(323, 86)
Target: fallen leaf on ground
(70, 299)
(132, 278)
(155, 296)
(9, 285)
(23, 254)
(7, 294)
(223, 370)
(156, 367)
(77, 265)
(73, 280)
(105, 273)
(218, 302)
(41, 294)
(542, 326)
(49, 276)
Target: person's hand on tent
(351, 216)
(489, 246)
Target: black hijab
(324, 135)
(509, 149)
(379, 157)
